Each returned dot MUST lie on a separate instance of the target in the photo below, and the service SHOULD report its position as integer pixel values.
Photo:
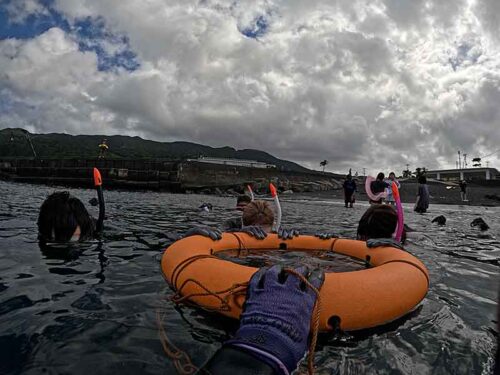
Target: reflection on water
(91, 308)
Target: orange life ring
(392, 286)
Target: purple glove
(276, 319)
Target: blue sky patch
(257, 29)
(112, 49)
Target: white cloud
(374, 84)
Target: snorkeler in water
(377, 227)
(64, 218)
(241, 203)
(257, 220)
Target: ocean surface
(92, 309)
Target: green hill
(14, 144)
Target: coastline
(439, 194)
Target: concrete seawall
(167, 175)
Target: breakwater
(166, 175)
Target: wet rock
(479, 222)
(492, 197)
(440, 220)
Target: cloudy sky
(361, 83)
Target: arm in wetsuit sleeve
(231, 361)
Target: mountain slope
(14, 143)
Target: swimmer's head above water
(379, 221)
(64, 218)
(259, 213)
(242, 201)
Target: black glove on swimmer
(214, 234)
(276, 320)
(252, 230)
(325, 235)
(287, 234)
(381, 242)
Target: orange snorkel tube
(100, 196)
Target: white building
(468, 174)
(234, 162)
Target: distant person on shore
(390, 198)
(349, 189)
(422, 203)
(463, 190)
(103, 147)
(64, 218)
(378, 186)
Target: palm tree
(323, 164)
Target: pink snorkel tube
(368, 189)
(399, 229)
(252, 197)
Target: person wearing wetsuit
(378, 186)
(64, 218)
(463, 190)
(349, 190)
(235, 223)
(274, 325)
(422, 203)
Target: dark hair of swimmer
(379, 221)
(380, 176)
(422, 180)
(242, 201)
(258, 213)
(60, 216)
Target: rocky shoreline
(487, 196)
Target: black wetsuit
(234, 223)
(378, 186)
(349, 189)
(233, 361)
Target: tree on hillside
(323, 164)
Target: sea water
(93, 308)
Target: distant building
(234, 162)
(469, 174)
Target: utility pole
(459, 160)
(27, 134)
(465, 160)
(364, 171)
